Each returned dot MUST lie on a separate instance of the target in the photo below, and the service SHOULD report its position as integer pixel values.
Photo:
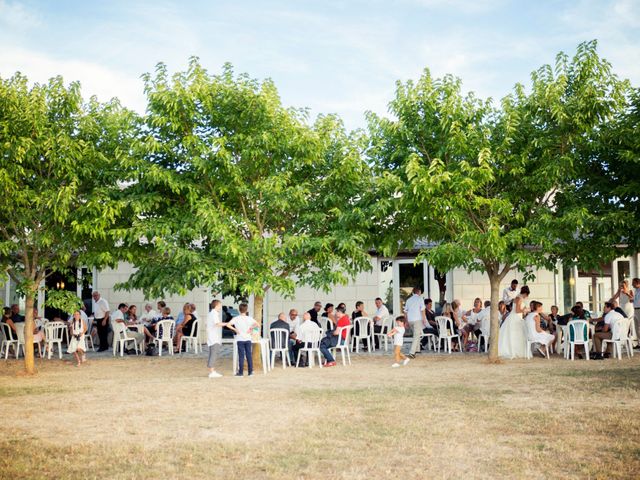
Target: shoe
(411, 355)
(214, 375)
(405, 361)
(238, 375)
(598, 356)
(395, 365)
(606, 355)
(250, 375)
(540, 351)
(330, 364)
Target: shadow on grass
(607, 378)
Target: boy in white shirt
(398, 339)
(243, 325)
(214, 336)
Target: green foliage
(64, 300)
(59, 167)
(236, 192)
(485, 182)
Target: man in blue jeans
(243, 325)
(331, 339)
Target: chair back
(313, 338)
(387, 324)
(165, 329)
(344, 342)
(364, 326)
(579, 329)
(445, 325)
(620, 331)
(7, 332)
(279, 338)
(194, 329)
(54, 331)
(485, 325)
(325, 324)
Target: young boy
(398, 339)
(243, 325)
(214, 336)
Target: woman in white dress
(512, 341)
(77, 344)
(624, 295)
(534, 331)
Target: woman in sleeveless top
(534, 331)
(512, 341)
(624, 295)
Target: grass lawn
(439, 417)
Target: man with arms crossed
(414, 310)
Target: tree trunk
(258, 301)
(494, 280)
(29, 360)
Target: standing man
(509, 294)
(214, 336)
(414, 311)
(636, 308)
(100, 309)
(313, 313)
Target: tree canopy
(239, 193)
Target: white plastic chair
(579, 329)
(365, 333)
(620, 338)
(53, 334)
(280, 344)
(386, 326)
(445, 334)
(164, 334)
(431, 339)
(485, 333)
(530, 343)
(191, 339)
(87, 334)
(311, 346)
(264, 355)
(21, 340)
(325, 324)
(121, 338)
(343, 344)
(8, 340)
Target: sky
(330, 56)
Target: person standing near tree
(510, 293)
(100, 309)
(214, 336)
(636, 308)
(414, 310)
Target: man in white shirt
(510, 293)
(149, 314)
(118, 317)
(294, 322)
(214, 336)
(379, 315)
(483, 319)
(611, 316)
(100, 309)
(306, 330)
(414, 311)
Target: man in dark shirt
(314, 312)
(281, 322)
(15, 313)
(432, 325)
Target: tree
(60, 162)
(240, 194)
(483, 182)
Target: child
(214, 336)
(398, 339)
(77, 345)
(243, 326)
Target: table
(260, 348)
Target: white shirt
(398, 337)
(294, 325)
(306, 329)
(148, 316)
(636, 298)
(214, 330)
(611, 318)
(414, 308)
(244, 324)
(117, 315)
(381, 312)
(508, 295)
(484, 319)
(99, 308)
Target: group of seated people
(332, 320)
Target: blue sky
(334, 57)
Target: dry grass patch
(439, 417)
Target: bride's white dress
(512, 342)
